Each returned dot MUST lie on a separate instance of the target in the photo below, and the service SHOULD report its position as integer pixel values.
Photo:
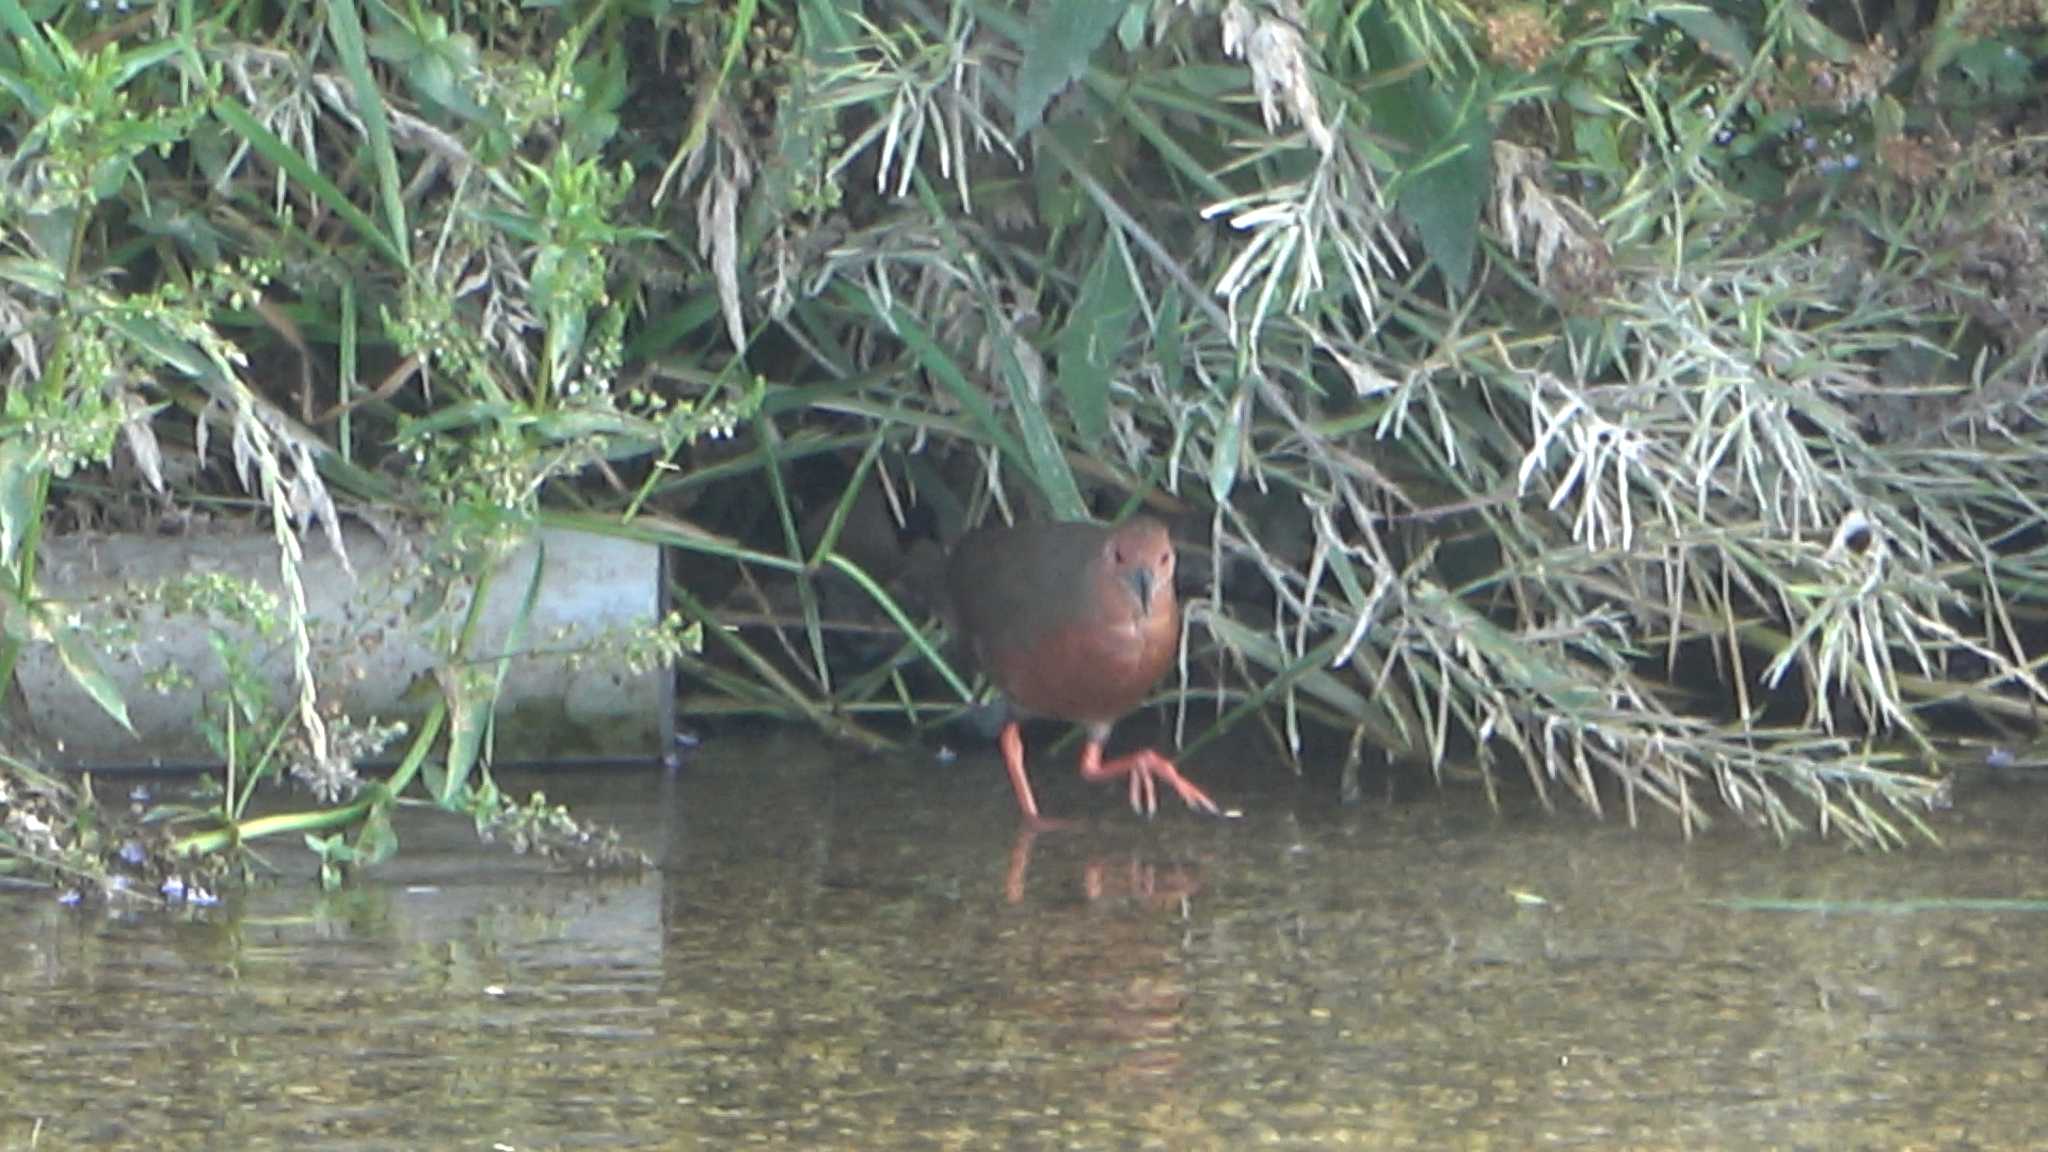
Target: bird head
(1139, 555)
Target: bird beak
(1141, 583)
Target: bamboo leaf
(1166, 340)
(1227, 457)
(1039, 452)
(1448, 148)
(1063, 35)
(268, 146)
(1316, 681)
(469, 714)
(1094, 333)
(20, 499)
(1042, 451)
(949, 376)
(1713, 31)
(85, 670)
(740, 21)
(345, 27)
(515, 637)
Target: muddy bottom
(861, 955)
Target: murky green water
(830, 959)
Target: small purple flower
(132, 853)
(70, 898)
(173, 889)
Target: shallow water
(830, 957)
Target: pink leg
(1145, 769)
(1012, 743)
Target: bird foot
(1145, 770)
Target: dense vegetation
(1639, 397)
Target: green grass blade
(345, 26)
(268, 146)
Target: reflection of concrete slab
(376, 640)
(572, 919)
(445, 887)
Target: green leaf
(1094, 333)
(1130, 31)
(823, 29)
(15, 626)
(1227, 456)
(1444, 202)
(515, 635)
(378, 840)
(248, 689)
(1994, 68)
(451, 417)
(1595, 141)
(1888, 117)
(1448, 148)
(345, 27)
(1713, 32)
(469, 713)
(171, 350)
(1807, 30)
(26, 36)
(710, 95)
(1260, 646)
(85, 670)
(434, 774)
(1042, 449)
(39, 276)
(268, 146)
(594, 120)
(1166, 340)
(329, 847)
(20, 496)
(1062, 36)
(1587, 98)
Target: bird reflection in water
(1129, 1005)
(1107, 876)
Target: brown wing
(1011, 586)
(1030, 603)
